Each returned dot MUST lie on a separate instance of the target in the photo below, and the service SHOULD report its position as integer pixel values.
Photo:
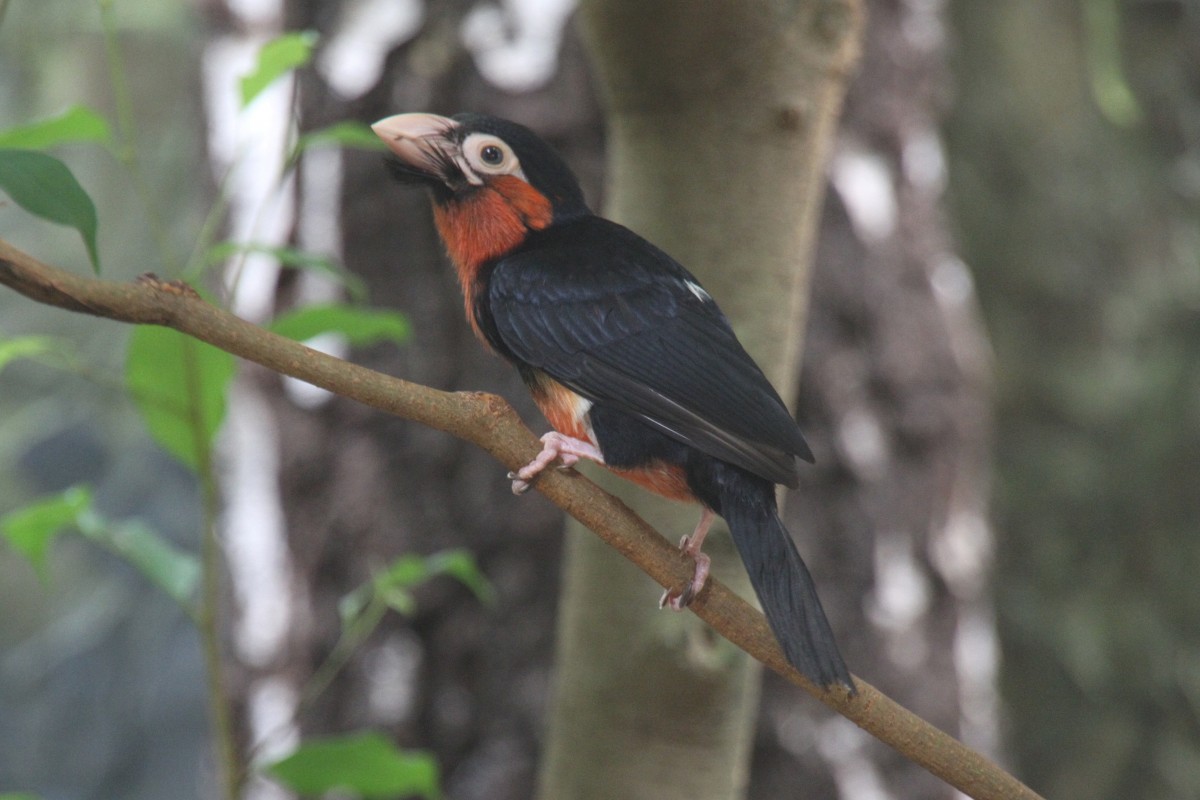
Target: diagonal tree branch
(490, 422)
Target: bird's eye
(484, 154)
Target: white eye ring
(490, 155)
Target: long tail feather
(786, 591)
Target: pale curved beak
(422, 141)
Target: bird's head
(492, 181)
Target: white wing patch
(698, 290)
(581, 408)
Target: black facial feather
(543, 167)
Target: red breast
(486, 224)
(566, 411)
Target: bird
(627, 356)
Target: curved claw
(679, 599)
(555, 447)
(519, 486)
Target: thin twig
(126, 148)
(229, 761)
(488, 421)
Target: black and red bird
(628, 357)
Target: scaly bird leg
(678, 599)
(555, 446)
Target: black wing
(606, 313)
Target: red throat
(489, 223)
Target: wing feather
(608, 314)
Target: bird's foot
(679, 599)
(555, 447)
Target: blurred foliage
(277, 58)
(32, 530)
(45, 187)
(360, 326)
(364, 765)
(180, 386)
(58, 646)
(96, 668)
(1075, 172)
(294, 259)
(76, 124)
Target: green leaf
(179, 385)
(76, 124)
(45, 187)
(25, 347)
(460, 564)
(408, 571)
(296, 259)
(277, 57)
(352, 605)
(367, 765)
(348, 133)
(32, 529)
(361, 326)
(393, 585)
(174, 571)
(19, 796)
(397, 598)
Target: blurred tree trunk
(718, 133)
(466, 681)
(894, 398)
(890, 400)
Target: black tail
(785, 589)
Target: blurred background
(1001, 380)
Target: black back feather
(619, 321)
